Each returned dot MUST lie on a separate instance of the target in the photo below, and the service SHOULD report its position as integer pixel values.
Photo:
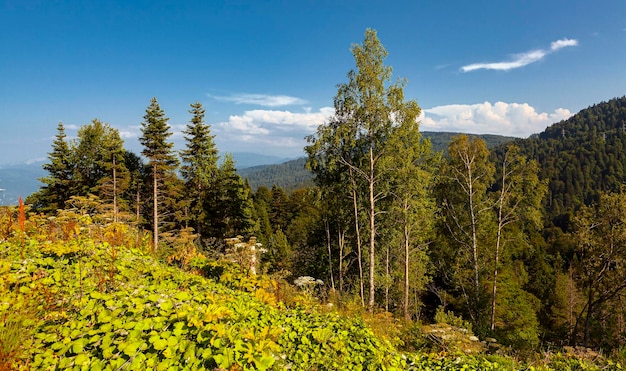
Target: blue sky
(266, 71)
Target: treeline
(168, 192)
(390, 224)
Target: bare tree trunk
(330, 258)
(155, 193)
(114, 190)
(358, 238)
(341, 242)
(137, 206)
(372, 230)
(387, 280)
(497, 252)
(407, 316)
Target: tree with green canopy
(162, 162)
(199, 168)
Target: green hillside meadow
(82, 294)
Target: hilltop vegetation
(422, 253)
(581, 157)
(80, 293)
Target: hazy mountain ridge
(23, 179)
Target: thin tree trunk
(155, 193)
(474, 237)
(387, 280)
(497, 252)
(137, 206)
(358, 238)
(372, 230)
(587, 332)
(406, 272)
(114, 191)
(341, 242)
(330, 259)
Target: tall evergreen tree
(59, 184)
(233, 214)
(162, 162)
(199, 168)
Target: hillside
(71, 301)
(440, 140)
(91, 304)
(292, 175)
(581, 156)
(289, 175)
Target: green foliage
(158, 317)
(162, 163)
(581, 156)
(447, 317)
(58, 185)
(199, 169)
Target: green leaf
(78, 346)
(132, 348)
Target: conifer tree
(234, 209)
(162, 162)
(58, 185)
(199, 168)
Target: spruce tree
(234, 209)
(58, 185)
(162, 162)
(199, 169)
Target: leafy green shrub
(449, 318)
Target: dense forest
(293, 174)
(521, 244)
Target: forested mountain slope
(581, 156)
(292, 174)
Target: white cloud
(560, 44)
(511, 119)
(521, 60)
(261, 99)
(274, 128)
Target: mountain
(247, 159)
(19, 180)
(289, 175)
(581, 156)
(23, 179)
(292, 174)
(440, 140)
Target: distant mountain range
(19, 180)
(22, 179)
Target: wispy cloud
(523, 59)
(512, 119)
(261, 99)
